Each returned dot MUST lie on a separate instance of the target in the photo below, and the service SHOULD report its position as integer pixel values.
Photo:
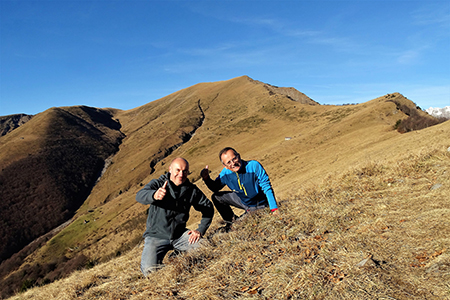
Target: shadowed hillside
(48, 168)
(298, 141)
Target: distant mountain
(11, 122)
(439, 112)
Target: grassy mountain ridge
(298, 142)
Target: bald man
(171, 197)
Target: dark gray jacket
(167, 217)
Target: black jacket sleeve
(203, 205)
(214, 185)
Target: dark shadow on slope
(45, 189)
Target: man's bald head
(179, 170)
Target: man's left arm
(266, 186)
(202, 204)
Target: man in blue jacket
(249, 183)
(171, 197)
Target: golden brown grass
(378, 231)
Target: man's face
(179, 170)
(231, 161)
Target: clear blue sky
(124, 54)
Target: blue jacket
(251, 183)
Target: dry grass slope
(379, 231)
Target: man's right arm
(213, 185)
(145, 195)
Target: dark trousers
(224, 200)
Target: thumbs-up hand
(205, 173)
(161, 192)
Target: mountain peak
(289, 92)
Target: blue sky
(124, 54)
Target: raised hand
(205, 173)
(161, 192)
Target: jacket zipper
(241, 186)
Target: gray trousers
(155, 249)
(224, 200)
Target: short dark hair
(226, 149)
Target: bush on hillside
(415, 120)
